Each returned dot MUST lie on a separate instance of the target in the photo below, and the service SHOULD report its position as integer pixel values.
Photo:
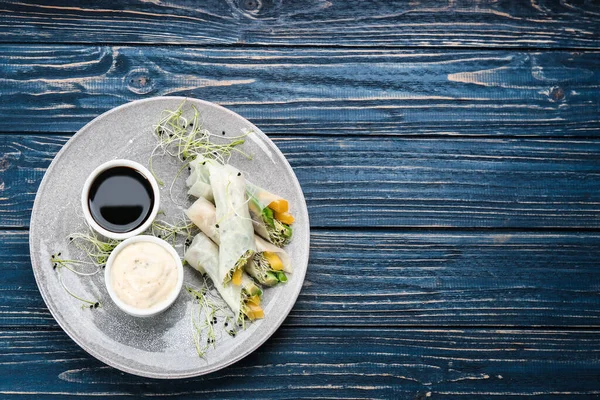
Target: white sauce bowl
(85, 194)
(158, 308)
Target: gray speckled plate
(161, 346)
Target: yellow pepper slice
(236, 278)
(280, 205)
(274, 260)
(284, 217)
(254, 300)
(256, 311)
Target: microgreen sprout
(261, 270)
(210, 311)
(280, 234)
(58, 264)
(170, 232)
(185, 138)
(96, 248)
(241, 262)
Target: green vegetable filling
(262, 271)
(280, 234)
(240, 264)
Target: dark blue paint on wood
(312, 91)
(394, 182)
(424, 23)
(417, 313)
(332, 363)
(366, 278)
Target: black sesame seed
(59, 254)
(91, 306)
(96, 305)
(223, 132)
(217, 226)
(239, 174)
(70, 239)
(204, 163)
(52, 256)
(189, 168)
(225, 324)
(54, 267)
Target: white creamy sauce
(143, 274)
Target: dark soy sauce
(120, 199)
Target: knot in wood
(557, 94)
(139, 81)
(251, 6)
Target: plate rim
(276, 323)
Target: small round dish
(163, 305)
(85, 195)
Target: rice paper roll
(203, 256)
(199, 180)
(269, 264)
(204, 215)
(270, 215)
(233, 222)
(269, 212)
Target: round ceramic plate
(160, 346)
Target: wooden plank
(424, 23)
(403, 279)
(287, 91)
(331, 363)
(393, 182)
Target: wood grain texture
(513, 279)
(393, 182)
(287, 91)
(331, 363)
(425, 23)
(387, 111)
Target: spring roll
(199, 180)
(270, 213)
(269, 264)
(244, 300)
(233, 222)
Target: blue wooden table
(449, 153)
